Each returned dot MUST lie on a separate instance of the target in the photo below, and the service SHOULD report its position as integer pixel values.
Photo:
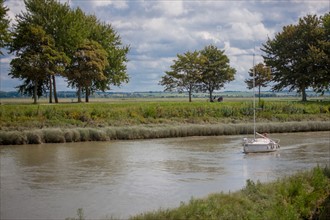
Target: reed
(57, 135)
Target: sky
(158, 30)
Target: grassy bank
(14, 117)
(305, 195)
(71, 122)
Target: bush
(34, 137)
(12, 138)
(53, 136)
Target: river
(122, 178)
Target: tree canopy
(36, 59)
(299, 56)
(205, 70)
(4, 26)
(185, 74)
(79, 40)
(216, 71)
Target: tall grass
(58, 135)
(301, 196)
(15, 117)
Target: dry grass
(57, 135)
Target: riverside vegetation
(305, 195)
(73, 122)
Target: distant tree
(184, 75)
(88, 67)
(215, 71)
(262, 77)
(36, 59)
(4, 26)
(296, 57)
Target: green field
(153, 118)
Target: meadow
(154, 118)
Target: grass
(72, 122)
(304, 195)
(73, 115)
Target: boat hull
(259, 145)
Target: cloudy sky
(158, 30)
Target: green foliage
(185, 73)
(299, 56)
(89, 63)
(215, 71)
(205, 70)
(4, 26)
(65, 42)
(295, 197)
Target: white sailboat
(262, 143)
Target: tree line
(50, 39)
(297, 58)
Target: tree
(262, 75)
(88, 66)
(115, 72)
(4, 25)
(55, 20)
(292, 56)
(70, 29)
(36, 59)
(320, 57)
(215, 70)
(185, 74)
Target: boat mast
(254, 100)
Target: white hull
(260, 145)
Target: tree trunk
(35, 91)
(304, 95)
(87, 94)
(50, 90)
(189, 96)
(190, 92)
(211, 98)
(55, 92)
(79, 93)
(259, 95)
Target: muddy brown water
(122, 178)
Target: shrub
(34, 137)
(53, 136)
(71, 135)
(12, 138)
(97, 135)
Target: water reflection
(120, 178)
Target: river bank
(75, 122)
(305, 195)
(151, 131)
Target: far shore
(152, 131)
